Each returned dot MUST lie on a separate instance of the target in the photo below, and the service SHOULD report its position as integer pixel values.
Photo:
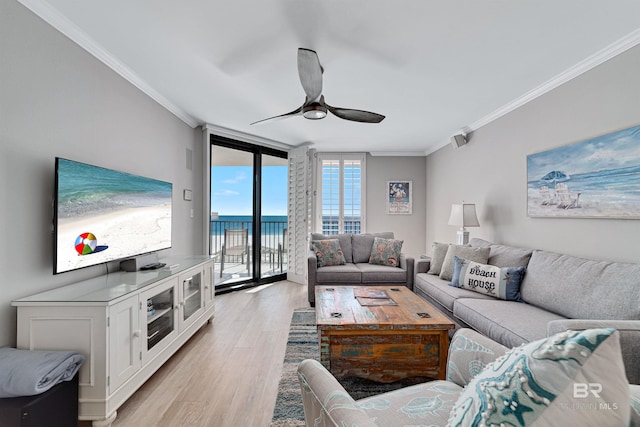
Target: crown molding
(620, 46)
(58, 21)
(245, 137)
(397, 153)
(630, 40)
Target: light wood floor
(228, 373)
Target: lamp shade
(464, 215)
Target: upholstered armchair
(327, 404)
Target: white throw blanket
(25, 372)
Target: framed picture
(399, 198)
(595, 178)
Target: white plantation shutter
(340, 200)
(331, 210)
(299, 212)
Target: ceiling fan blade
(356, 115)
(310, 72)
(295, 112)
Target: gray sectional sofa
(357, 270)
(558, 292)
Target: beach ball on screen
(86, 243)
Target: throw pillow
(503, 283)
(328, 252)
(480, 255)
(438, 252)
(571, 378)
(345, 243)
(386, 252)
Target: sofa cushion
(345, 243)
(372, 273)
(479, 243)
(575, 287)
(328, 252)
(535, 385)
(336, 274)
(510, 323)
(503, 283)
(440, 291)
(430, 403)
(508, 256)
(386, 252)
(438, 252)
(362, 244)
(502, 255)
(473, 254)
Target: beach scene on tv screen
(105, 215)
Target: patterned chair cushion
(419, 405)
(571, 378)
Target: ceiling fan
(314, 107)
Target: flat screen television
(103, 215)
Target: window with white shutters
(340, 196)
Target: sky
(612, 151)
(232, 192)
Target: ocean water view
(271, 224)
(85, 189)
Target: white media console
(126, 324)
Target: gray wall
(491, 170)
(410, 228)
(57, 100)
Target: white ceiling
(432, 67)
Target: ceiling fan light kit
(314, 108)
(314, 112)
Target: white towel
(26, 372)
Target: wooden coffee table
(377, 338)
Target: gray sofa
(357, 270)
(559, 292)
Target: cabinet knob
(136, 333)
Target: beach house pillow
(503, 283)
(386, 252)
(467, 252)
(438, 252)
(569, 379)
(328, 252)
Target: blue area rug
(303, 344)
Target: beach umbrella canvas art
(594, 178)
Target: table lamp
(463, 215)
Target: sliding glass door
(273, 215)
(248, 229)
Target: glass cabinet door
(158, 309)
(192, 295)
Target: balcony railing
(272, 252)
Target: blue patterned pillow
(503, 283)
(328, 252)
(386, 252)
(569, 379)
